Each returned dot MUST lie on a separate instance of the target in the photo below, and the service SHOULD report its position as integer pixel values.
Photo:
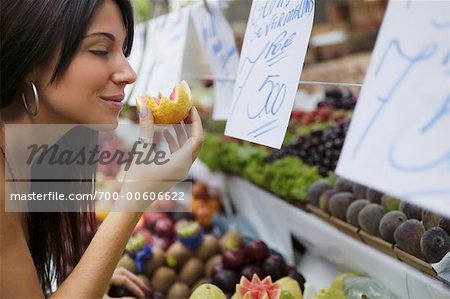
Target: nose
(125, 73)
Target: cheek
(86, 75)
(75, 95)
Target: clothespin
(208, 9)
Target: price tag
(163, 55)
(399, 138)
(218, 43)
(271, 62)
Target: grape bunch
(321, 148)
(339, 99)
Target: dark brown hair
(32, 31)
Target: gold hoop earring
(36, 100)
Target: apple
(233, 259)
(256, 251)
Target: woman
(64, 62)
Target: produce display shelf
(327, 239)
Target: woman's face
(90, 91)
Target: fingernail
(143, 111)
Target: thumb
(145, 119)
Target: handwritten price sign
(217, 39)
(271, 62)
(399, 138)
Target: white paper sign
(136, 55)
(163, 55)
(217, 40)
(399, 138)
(271, 61)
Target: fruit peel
(207, 290)
(171, 111)
(289, 288)
(257, 288)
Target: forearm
(91, 276)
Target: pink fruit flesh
(257, 289)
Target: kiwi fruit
(211, 263)
(177, 254)
(209, 247)
(178, 290)
(157, 260)
(128, 263)
(192, 271)
(163, 279)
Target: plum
(275, 266)
(256, 251)
(234, 259)
(226, 280)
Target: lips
(116, 98)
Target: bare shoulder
(15, 258)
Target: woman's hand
(125, 279)
(173, 150)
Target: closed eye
(100, 53)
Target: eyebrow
(108, 35)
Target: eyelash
(100, 53)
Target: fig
(339, 204)
(390, 203)
(435, 244)
(324, 200)
(353, 210)
(343, 185)
(389, 223)
(445, 224)
(430, 219)
(374, 196)
(359, 191)
(315, 190)
(369, 218)
(411, 211)
(408, 235)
